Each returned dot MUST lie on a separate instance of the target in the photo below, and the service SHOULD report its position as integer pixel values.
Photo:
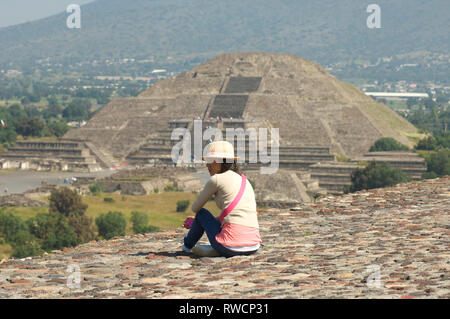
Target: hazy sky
(20, 11)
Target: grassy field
(25, 213)
(10, 102)
(5, 251)
(161, 208)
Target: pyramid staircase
(61, 155)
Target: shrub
(108, 200)
(438, 141)
(169, 188)
(251, 183)
(172, 187)
(443, 139)
(140, 223)
(341, 157)
(376, 175)
(428, 143)
(29, 248)
(387, 144)
(95, 188)
(182, 205)
(429, 175)
(111, 224)
(438, 164)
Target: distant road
(396, 94)
(20, 181)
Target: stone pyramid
(308, 105)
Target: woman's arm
(209, 190)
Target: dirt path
(20, 181)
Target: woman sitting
(236, 230)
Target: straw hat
(218, 150)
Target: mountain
(12, 12)
(325, 31)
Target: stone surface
(333, 248)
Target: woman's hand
(188, 222)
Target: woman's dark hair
(225, 166)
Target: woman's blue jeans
(205, 222)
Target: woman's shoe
(205, 251)
(185, 249)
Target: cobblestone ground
(384, 243)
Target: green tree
(77, 110)
(58, 128)
(61, 234)
(140, 223)
(16, 112)
(387, 144)
(111, 224)
(7, 135)
(66, 201)
(69, 204)
(10, 225)
(30, 126)
(83, 226)
(16, 233)
(443, 139)
(53, 231)
(376, 175)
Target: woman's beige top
(225, 187)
